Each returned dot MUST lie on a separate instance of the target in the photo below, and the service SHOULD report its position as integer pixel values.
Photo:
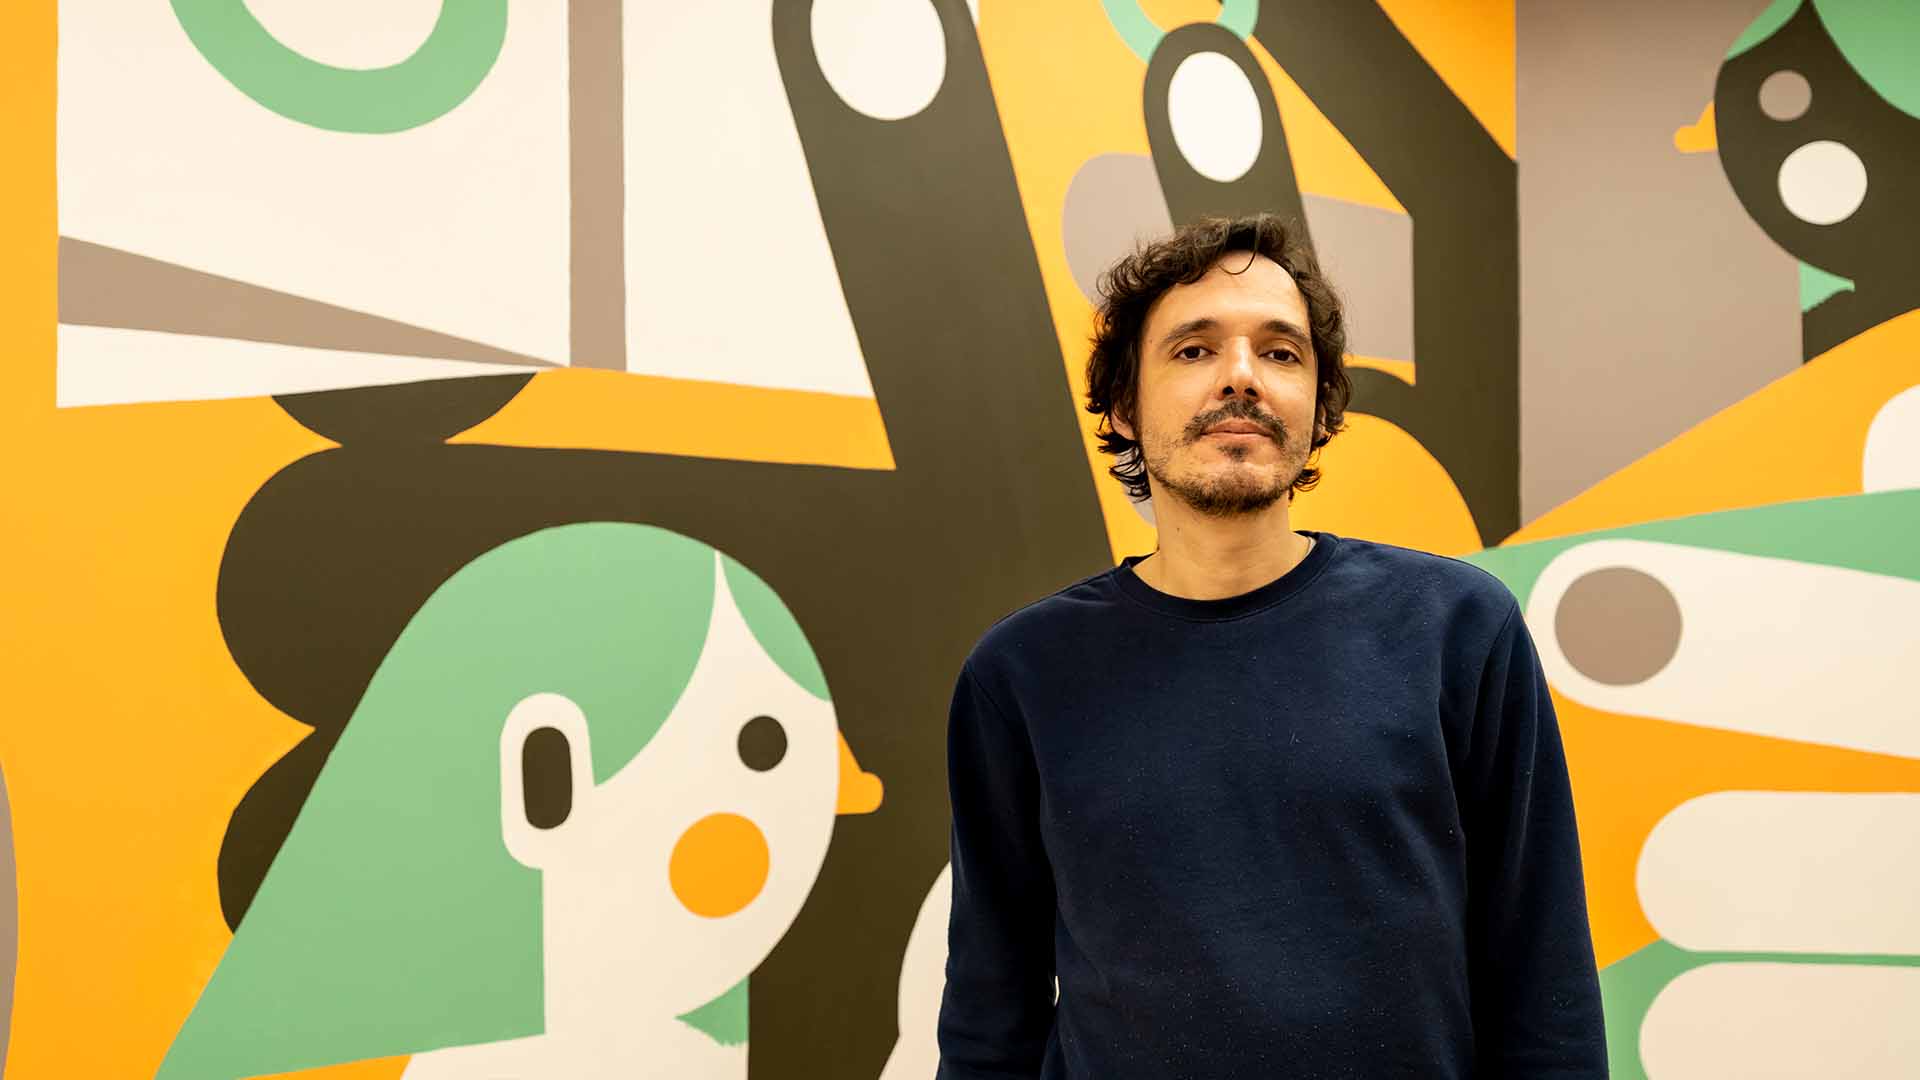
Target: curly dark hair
(1129, 289)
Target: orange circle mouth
(719, 865)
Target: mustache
(1237, 410)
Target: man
(1265, 803)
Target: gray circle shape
(1786, 95)
(1618, 626)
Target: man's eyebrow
(1286, 329)
(1279, 327)
(1191, 326)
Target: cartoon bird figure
(1817, 117)
(583, 797)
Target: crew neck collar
(1232, 607)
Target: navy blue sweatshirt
(1322, 829)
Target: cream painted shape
(729, 275)
(923, 980)
(1774, 647)
(1891, 460)
(1786, 872)
(1771, 1021)
(459, 225)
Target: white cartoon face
(668, 883)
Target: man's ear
(546, 772)
(1117, 420)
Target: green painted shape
(394, 920)
(1871, 532)
(1627, 989)
(775, 628)
(447, 67)
(1133, 26)
(1239, 16)
(1143, 35)
(1764, 27)
(1817, 285)
(1881, 41)
(1629, 985)
(724, 1019)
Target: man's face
(1225, 409)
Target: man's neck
(1212, 558)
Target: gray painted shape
(105, 286)
(9, 922)
(1367, 253)
(596, 141)
(1649, 300)
(1112, 204)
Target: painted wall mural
(501, 490)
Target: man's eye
(1191, 352)
(1285, 356)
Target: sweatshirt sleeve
(1536, 995)
(997, 1011)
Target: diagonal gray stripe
(595, 139)
(104, 286)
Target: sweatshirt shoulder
(1052, 618)
(1456, 587)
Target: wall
(499, 493)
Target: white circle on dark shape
(1215, 116)
(885, 58)
(1823, 182)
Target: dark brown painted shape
(1459, 188)
(893, 574)
(1878, 247)
(409, 412)
(1268, 185)
(546, 777)
(762, 744)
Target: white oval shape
(1215, 116)
(1891, 461)
(885, 58)
(358, 34)
(1762, 1021)
(1785, 872)
(1773, 647)
(1823, 183)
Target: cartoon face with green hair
(584, 795)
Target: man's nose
(1236, 377)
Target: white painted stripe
(1807, 872)
(103, 365)
(1819, 654)
(1785, 1021)
(717, 291)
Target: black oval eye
(763, 743)
(546, 777)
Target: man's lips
(1238, 427)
